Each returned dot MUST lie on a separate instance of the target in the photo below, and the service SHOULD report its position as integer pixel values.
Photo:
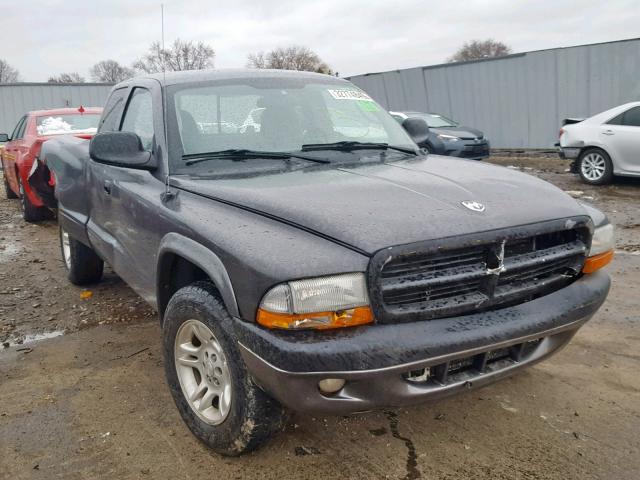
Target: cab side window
(112, 111)
(138, 117)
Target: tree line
(186, 55)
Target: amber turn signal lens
(597, 262)
(318, 321)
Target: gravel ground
(83, 392)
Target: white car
(604, 145)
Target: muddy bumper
(404, 364)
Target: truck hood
(463, 132)
(373, 206)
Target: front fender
(203, 258)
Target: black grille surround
(483, 271)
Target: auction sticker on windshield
(345, 94)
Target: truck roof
(189, 76)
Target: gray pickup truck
(322, 263)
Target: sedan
(448, 137)
(605, 145)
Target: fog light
(330, 385)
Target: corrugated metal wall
(519, 100)
(18, 98)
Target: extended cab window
(138, 117)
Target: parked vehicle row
(21, 150)
(605, 145)
(318, 260)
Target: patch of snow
(57, 126)
(574, 193)
(8, 251)
(35, 337)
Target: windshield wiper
(243, 153)
(351, 145)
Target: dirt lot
(82, 390)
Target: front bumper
(472, 150)
(385, 365)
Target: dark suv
(321, 262)
(448, 138)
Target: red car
(24, 147)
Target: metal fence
(518, 100)
(18, 98)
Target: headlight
(602, 248)
(448, 138)
(320, 303)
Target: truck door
(100, 227)
(131, 214)
(622, 136)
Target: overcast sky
(46, 37)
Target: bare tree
(179, 56)
(289, 58)
(477, 49)
(70, 77)
(110, 71)
(8, 74)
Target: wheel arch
(182, 261)
(596, 146)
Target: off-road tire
(31, 213)
(253, 416)
(10, 194)
(84, 266)
(607, 176)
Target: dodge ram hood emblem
(475, 206)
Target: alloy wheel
(593, 166)
(203, 372)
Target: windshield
(434, 120)
(276, 115)
(71, 123)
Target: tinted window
(19, 125)
(617, 120)
(631, 117)
(434, 120)
(113, 111)
(138, 118)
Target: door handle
(107, 186)
(608, 132)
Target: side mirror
(417, 129)
(4, 138)
(121, 149)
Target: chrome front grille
(477, 272)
